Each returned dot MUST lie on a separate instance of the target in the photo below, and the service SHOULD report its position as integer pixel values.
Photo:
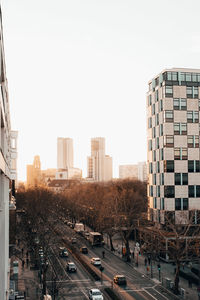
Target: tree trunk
(111, 243)
(176, 279)
(127, 249)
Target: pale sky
(80, 68)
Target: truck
(96, 239)
(79, 227)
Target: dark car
(84, 250)
(120, 279)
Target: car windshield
(96, 293)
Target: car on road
(95, 294)
(73, 240)
(84, 250)
(95, 261)
(63, 252)
(71, 267)
(119, 279)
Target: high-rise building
(5, 174)
(99, 165)
(138, 171)
(173, 109)
(65, 153)
(33, 173)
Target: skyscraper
(173, 107)
(5, 174)
(65, 153)
(33, 172)
(99, 165)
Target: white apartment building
(5, 175)
(173, 107)
(99, 165)
(65, 153)
(138, 171)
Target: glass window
(154, 155)
(154, 202)
(195, 92)
(193, 166)
(181, 178)
(168, 91)
(158, 166)
(188, 76)
(154, 179)
(169, 141)
(197, 190)
(194, 77)
(161, 105)
(181, 204)
(191, 191)
(157, 119)
(154, 132)
(169, 191)
(151, 190)
(150, 145)
(169, 76)
(169, 166)
(182, 76)
(169, 116)
(158, 190)
(193, 116)
(157, 143)
(189, 92)
(162, 179)
(174, 76)
(180, 128)
(162, 203)
(156, 95)
(180, 153)
(153, 109)
(180, 104)
(161, 130)
(150, 101)
(161, 154)
(193, 141)
(150, 122)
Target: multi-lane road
(75, 286)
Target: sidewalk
(166, 270)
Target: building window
(150, 145)
(169, 116)
(193, 116)
(154, 202)
(161, 154)
(149, 100)
(156, 95)
(158, 167)
(151, 190)
(180, 128)
(157, 143)
(195, 92)
(169, 91)
(157, 119)
(150, 122)
(162, 179)
(154, 179)
(154, 132)
(193, 141)
(180, 154)
(181, 178)
(180, 104)
(162, 203)
(192, 92)
(169, 166)
(154, 155)
(169, 191)
(158, 191)
(181, 204)
(194, 191)
(153, 109)
(193, 166)
(161, 105)
(169, 141)
(189, 92)
(172, 76)
(161, 130)
(151, 168)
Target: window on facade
(154, 155)
(157, 119)
(162, 179)
(158, 167)
(150, 168)
(193, 141)
(169, 116)
(195, 92)
(180, 104)
(188, 76)
(156, 95)
(169, 166)
(150, 145)
(151, 190)
(154, 202)
(180, 153)
(169, 191)
(193, 166)
(161, 154)
(168, 91)
(194, 191)
(172, 76)
(181, 178)
(149, 100)
(181, 204)
(161, 130)
(150, 123)
(158, 191)
(154, 132)
(154, 179)
(189, 92)
(169, 141)
(193, 116)
(180, 128)
(157, 143)
(161, 105)
(153, 109)
(162, 203)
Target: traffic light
(139, 253)
(158, 267)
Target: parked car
(71, 267)
(119, 279)
(84, 250)
(63, 252)
(95, 261)
(95, 294)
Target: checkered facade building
(173, 114)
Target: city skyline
(80, 69)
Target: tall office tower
(65, 153)
(33, 173)
(173, 146)
(5, 174)
(99, 164)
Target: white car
(95, 261)
(95, 294)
